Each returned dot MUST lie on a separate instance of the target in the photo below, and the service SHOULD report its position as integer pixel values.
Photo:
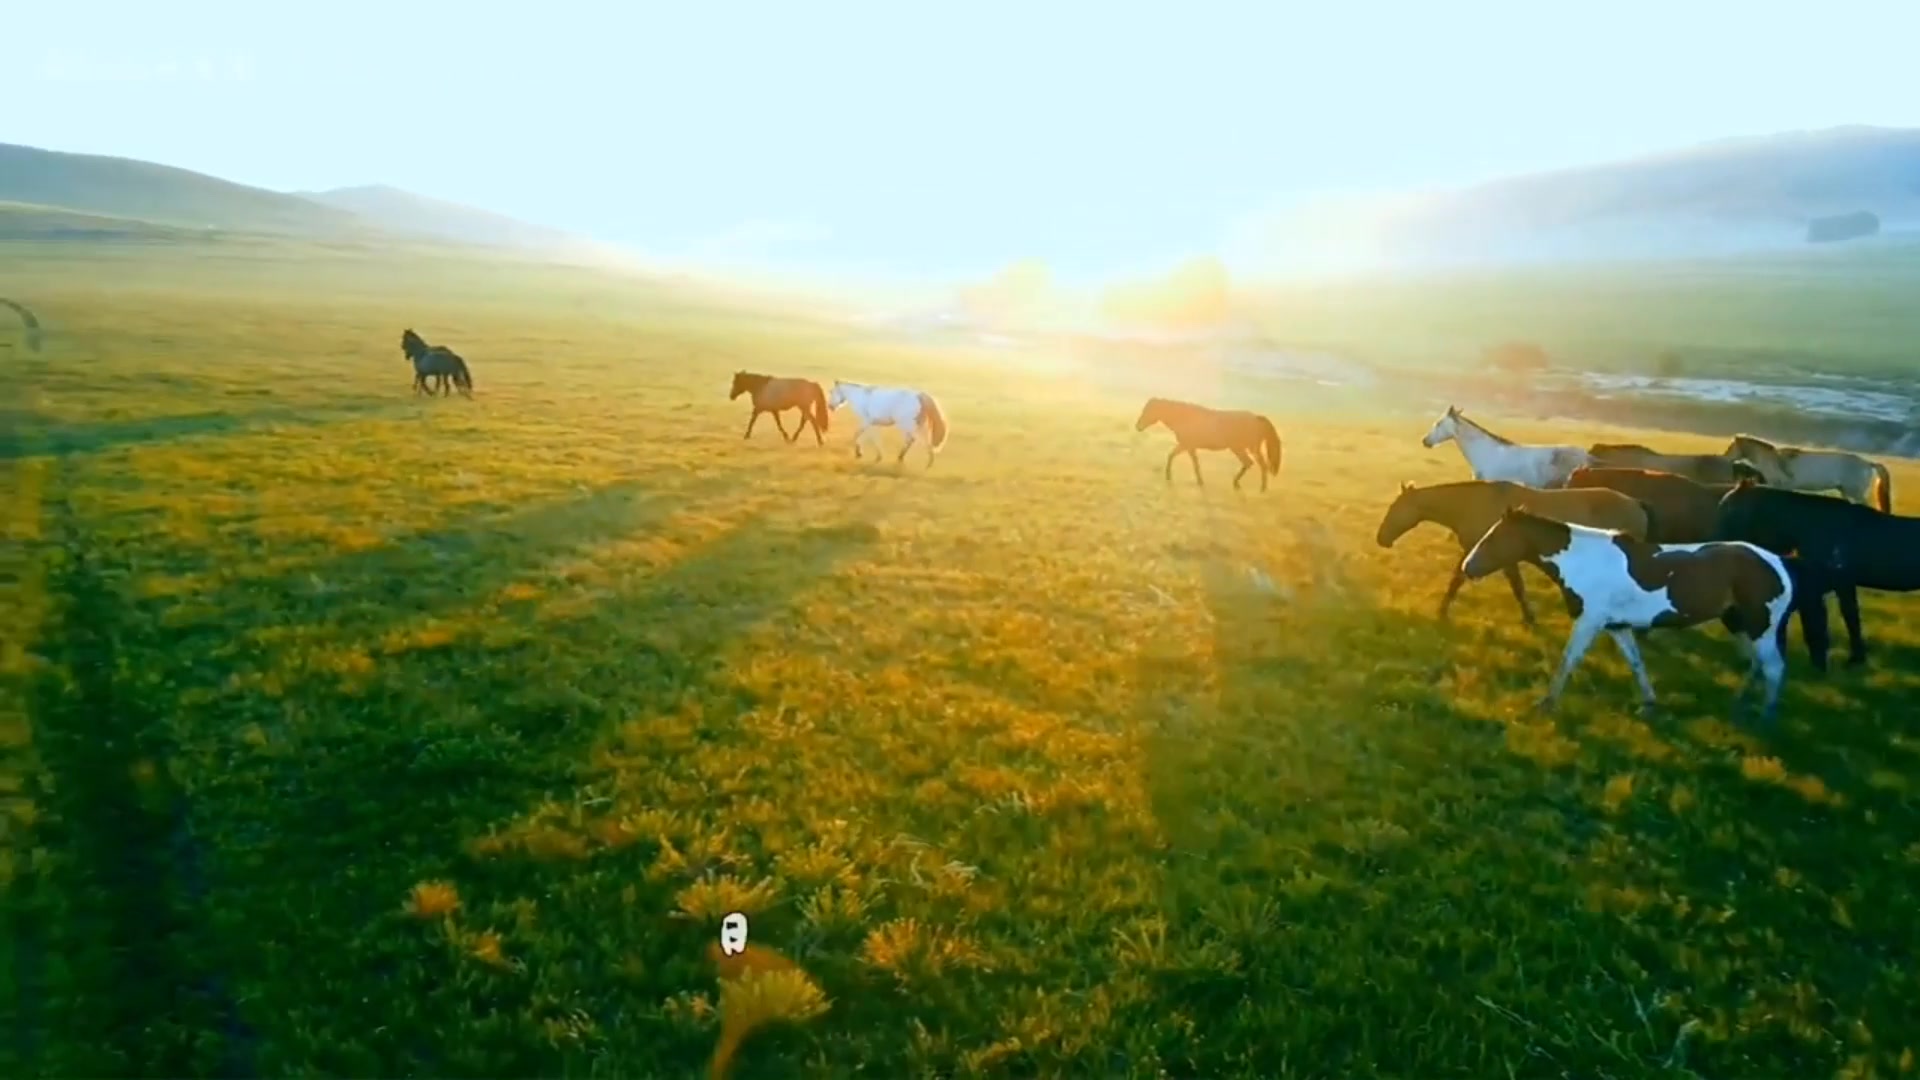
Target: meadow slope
(348, 733)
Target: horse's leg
(1453, 586)
(1194, 456)
(1773, 668)
(1584, 632)
(1245, 464)
(1519, 587)
(1171, 454)
(752, 420)
(1810, 603)
(1630, 648)
(901, 458)
(781, 426)
(1850, 614)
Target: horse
(1615, 583)
(431, 361)
(1494, 458)
(1858, 478)
(1687, 510)
(773, 394)
(1843, 547)
(1252, 437)
(1468, 508)
(1699, 468)
(892, 406)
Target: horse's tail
(935, 420)
(818, 400)
(1271, 437)
(1885, 485)
(461, 375)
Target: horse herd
(1635, 539)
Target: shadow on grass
(222, 842)
(1364, 876)
(27, 435)
(358, 794)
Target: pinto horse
(1615, 583)
(1699, 468)
(1859, 479)
(772, 394)
(1842, 547)
(1687, 511)
(1492, 457)
(1252, 437)
(1468, 508)
(892, 406)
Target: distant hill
(400, 211)
(1728, 197)
(52, 195)
(143, 191)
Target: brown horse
(1685, 511)
(1468, 508)
(1252, 437)
(1861, 480)
(1700, 468)
(772, 394)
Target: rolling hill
(398, 211)
(51, 194)
(1729, 197)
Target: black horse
(434, 361)
(1838, 546)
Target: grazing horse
(431, 361)
(892, 406)
(1468, 508)
(1494, 458)
(1699, 468)
(772, 394)
(1618, 584)
(1858, 478)
(1686, 511)
(1842, 547)
(1252, 437)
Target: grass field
(353, 734)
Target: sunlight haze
(876, 142)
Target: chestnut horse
(1252, 437)
(1687, 511)
(1468, 508)
(772, 394)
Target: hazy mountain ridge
(1726, 197)
(129, 191)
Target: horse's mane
(1481, 428)
(1604, 447)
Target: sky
(931, 140)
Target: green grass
(1842, 310)
(354, 734)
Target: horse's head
(1150, 414)
(411, 344)
(1442, 429)
(739, 385)
(1759, 455)
(837, 396)
(1406, 512)
(1516, 537)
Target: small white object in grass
(733, 934)
(1260, 579)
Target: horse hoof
(1646, 710)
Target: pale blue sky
(926, 139)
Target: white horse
(1494, 458)
(892, 406)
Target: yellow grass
(476, 716)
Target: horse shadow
(31, 436)
(331, 798)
